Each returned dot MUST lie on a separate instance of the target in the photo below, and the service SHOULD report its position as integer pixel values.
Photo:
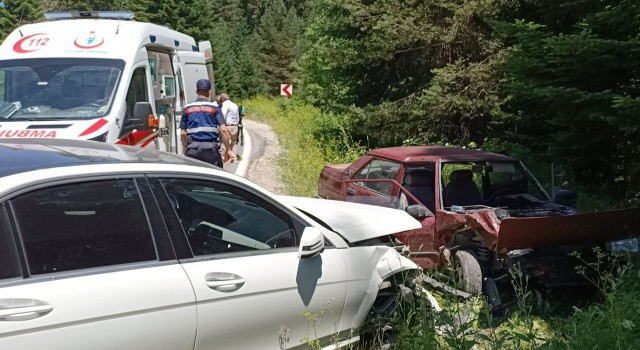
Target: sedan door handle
(351, 191)
(224, 282)
(24, 313)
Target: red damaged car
(483, 211)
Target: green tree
(138, 7)
(83, 5)
(280, 39)
(379, 60)
(16, 12)
(228, 36)
(248, 71)
(253, 10)
(460, 105)
(8, 22)
(25, 11)
(172, 13)
(230, 11)
(574, 92)
(225, 62)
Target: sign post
(286, 90)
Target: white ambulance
(98, 76)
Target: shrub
(310, 139)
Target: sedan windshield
(57, 88)
(488, 183)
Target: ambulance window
(137, 90)
(152, 66)
(82, 225)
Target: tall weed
(310, 140)
(614, 323)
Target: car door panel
(273, 289)
(246, 272)
(91, 267)
(142, 308)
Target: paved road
(239, 168)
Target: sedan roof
(21, 155)
(417, 154)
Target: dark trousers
(205, 151)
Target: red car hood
(572, 229)
(534, 232)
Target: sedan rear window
(376, 170)
(78, 226)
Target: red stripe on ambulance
(95, 127)
(139, 138)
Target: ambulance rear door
(190, 67)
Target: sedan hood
(355, 222)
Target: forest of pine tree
(537, 79)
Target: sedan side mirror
(311, 243)
(567, 198)
(419, 212)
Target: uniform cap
(203, 84)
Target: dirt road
(264, 152)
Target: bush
(309, 137)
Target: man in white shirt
(232, 118)
(217, 100)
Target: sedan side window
(379, 170)
(9, 266)
(220, 218)
(83, 225)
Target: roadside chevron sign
(286, 90)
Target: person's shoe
(238, 158)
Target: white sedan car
(114, 247)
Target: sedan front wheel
(392, 304)
(467, 271)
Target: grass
(312, 139)
(608, 323)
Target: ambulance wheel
(467, 272)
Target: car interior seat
(420, 184)
(461, 190)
